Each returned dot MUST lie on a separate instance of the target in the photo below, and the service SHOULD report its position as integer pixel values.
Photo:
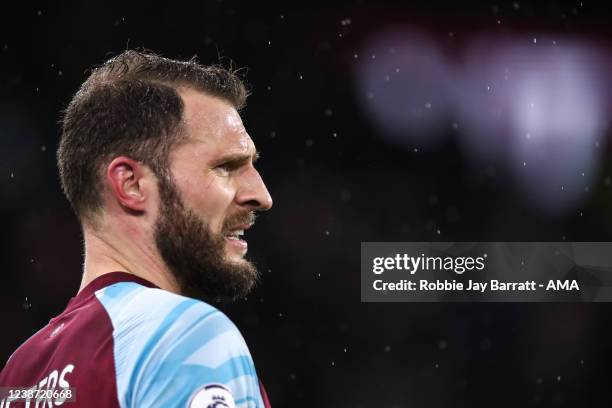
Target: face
(210, 202)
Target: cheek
(211, 201)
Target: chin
(234, 252)
(235, 258)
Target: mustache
(246, 217)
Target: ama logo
(562, 285)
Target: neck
(126, 251)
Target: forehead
(215, 123)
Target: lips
(234, 228)
(234, 236)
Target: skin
(214, 172)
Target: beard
(195, 255)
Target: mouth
(234, 237)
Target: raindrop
(26, 304)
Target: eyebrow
(239, 157)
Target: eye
(227, 168)
(223, 169)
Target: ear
(126, 178)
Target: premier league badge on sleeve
(212, 396)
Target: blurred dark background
(427, 121)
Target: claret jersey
(122, 342)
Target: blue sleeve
(172, 351)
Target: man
(159, 169)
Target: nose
(253, 192)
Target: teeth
(236, 233)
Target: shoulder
(131, 304)
(167, 345)
(148, 318)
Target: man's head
(159, 144)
